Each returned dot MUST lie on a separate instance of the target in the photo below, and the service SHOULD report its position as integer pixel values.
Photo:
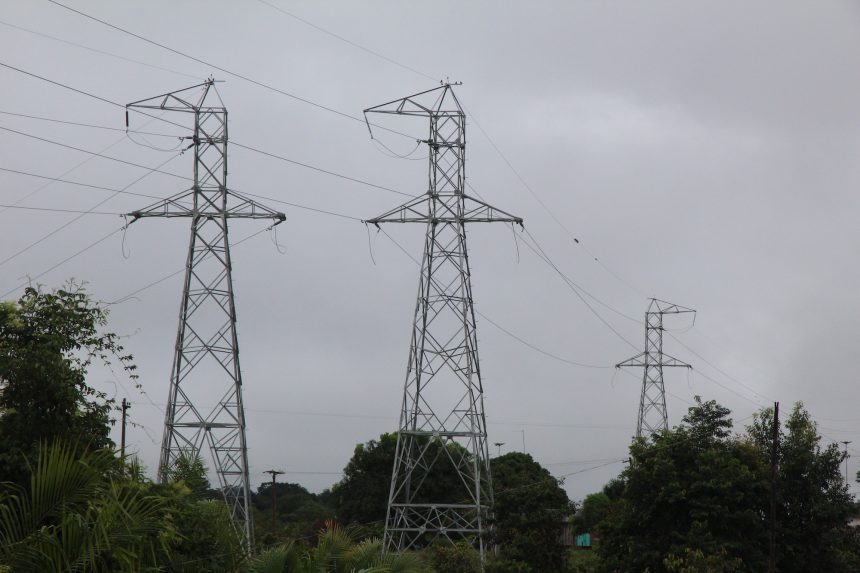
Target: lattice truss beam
(653, 416)
(442, 431)
(204, 408)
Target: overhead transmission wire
(232, 143)
(348, 41)
(222, 69)
(111, 158)
(96, 50)
(485, 317)
(92, 125)
(155, 169)
(63, 174)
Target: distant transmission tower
(442, 429)
(205, 399)
(652, 404)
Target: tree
(300, 514)
(691, 488)
(362, 495)
(595, 508)
(698, 499)
(48, 340)
(529, 509)
(813, 503)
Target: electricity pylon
(442, 431)
(204, 404)
(652, 403)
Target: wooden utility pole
(274, 473)
(774, 461)
(125, 406)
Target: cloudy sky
(701, 152)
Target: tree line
(696, 498)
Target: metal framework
(204, 405)
(652, 403)
(442, 429)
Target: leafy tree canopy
(697, 498)
(48, 340)
(530, 508)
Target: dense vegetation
(695, 499)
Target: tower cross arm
(671, 361)
(663, 307)
(665, 360)
(638, 360)
(445, 209)
(183, 205)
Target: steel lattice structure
(442, 425)
(652, 403)
(204, 405)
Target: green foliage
(48, 340)
(583, 561)
(75, 517)
(336, 551)
(195, 534)
(501, 565)
(595, 508)
(189, 469)
(300, 514)
(697, 499)
(692, 487)
(530, 507)
(694, 561)
(813, 502)
(362, 495)
(458, 557)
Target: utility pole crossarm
(180, 100)
(420, 210)
(441, 102)
(640, 360)
(664, 307)
(183, 205)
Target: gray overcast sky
(705, 152)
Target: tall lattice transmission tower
(442, 431)
(652, 403)
(204, 405)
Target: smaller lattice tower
(652, 403)
(204, 406)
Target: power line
(320, 169)
(80, 216)
(348, 41)
(536, 349)
(110, 54)
(224, 70)
(248, 147)
(90, 212)
(95, 153)
(485, 317)
(91, 125)
(64, 261)
(78, 183)
(575, 288)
